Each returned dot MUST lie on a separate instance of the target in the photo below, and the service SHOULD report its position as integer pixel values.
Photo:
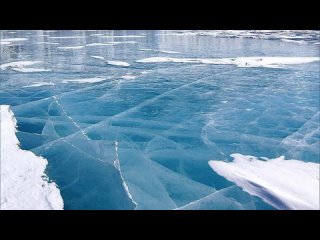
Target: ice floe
(24, 184)
(269, 62)
(284, 184)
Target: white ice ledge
(284, 184)
(24, 185)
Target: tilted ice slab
(85, 80)
(23, 182)
(284, 184)
(269, 62)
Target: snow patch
(118, 63)
(23, 182)
(284, 184)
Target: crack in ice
(116, 164)
(70, 118)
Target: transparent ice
(122, 134)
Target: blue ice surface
(168, 122)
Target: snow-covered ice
(24, 184)
(285, 184)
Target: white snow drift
(285, 184)
(23, 182)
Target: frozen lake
(130, 119)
